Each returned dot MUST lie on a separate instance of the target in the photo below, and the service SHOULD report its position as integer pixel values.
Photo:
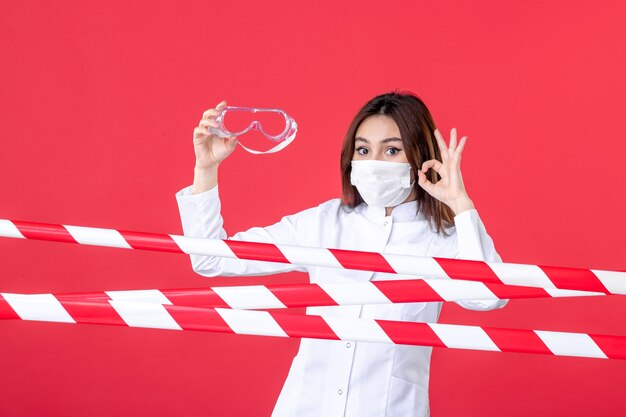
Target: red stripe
(151, 241)
(414, 290)
(83, 296)
(197, 297)
(574, 279)
(6, 311)
(510, 291)
(44, 231)
(91, 312)
(296, 325)
(301, 295)
(409, 333)
(206, 319)
(614, 347)
(364, 261)
(256, 251)
(517, 340)
(468, 270)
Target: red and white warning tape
(328, 294)
(178, 309)
(549, 277)
(159, 314)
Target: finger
(222, 104)
(443, 148)
(207, 122)
(452, 146)
(209, 113)
(459, 149)
(200, 131)
(424, 182)
(433, 163)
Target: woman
(384, 209)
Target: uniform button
(340, 392)
(385, 223)
(348, 344)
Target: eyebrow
(394, 139)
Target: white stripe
(357, 329)
(251, 322)
(8, 229)
(614, 281)
(454, 290)
(144, 296)
(556, 292)
(98, 237)
(150, 315)
(298, 255)
(570, 344)
(250, 296)
(463, 337)
(520, 274)
(423, 266)
(38, 307)
(350, 293)
(199, 246)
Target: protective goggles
(273, 124)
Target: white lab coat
(338, 378)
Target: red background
(98, 101)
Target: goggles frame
(290, 124)
(284, 138)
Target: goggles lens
(239, 122)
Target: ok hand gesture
(450, 188)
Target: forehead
(377, 128)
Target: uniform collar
(404, 212)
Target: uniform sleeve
(200, 215)
(475, 244)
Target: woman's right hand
(211, 149)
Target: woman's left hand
(450, 188)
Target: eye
(392, 151)
(362, 151)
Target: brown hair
(417, 128)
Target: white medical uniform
(339, 378)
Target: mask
(382, 183)
(274, 124)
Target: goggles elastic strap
(276, 148)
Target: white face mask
(382, 183)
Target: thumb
(231, 143)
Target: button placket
(344, 359)
(387, 224)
